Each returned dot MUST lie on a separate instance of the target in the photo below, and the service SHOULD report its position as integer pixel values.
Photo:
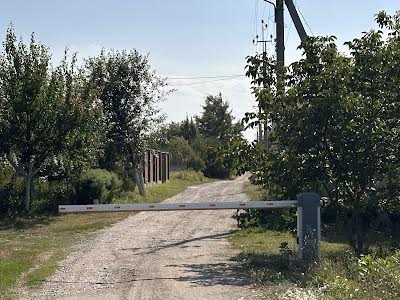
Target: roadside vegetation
(337, 134)
(77, 133)
(270, 258)
(197, 143)
(31, 248)
(178, 182)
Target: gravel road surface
(158, 255)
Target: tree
(161, 137)
(216, 121)
(189, 129)
(129, 94)
(180, 149)
(44, 111)
(338, 127)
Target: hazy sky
(185, 38)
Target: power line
(288, 34)
(265, 6)
(305, 21)
(256, 18)
(200, 82)
(204, 77)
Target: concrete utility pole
(280, 33)
(280, 27)
(280, 43)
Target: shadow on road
(181, 243)
(214, 274)
(211, 274)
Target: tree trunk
(28, 181)
(140, 181)
(28, 186)
(358, 233)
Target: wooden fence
(156, 166)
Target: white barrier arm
(177, 206)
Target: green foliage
(216, 125)
(129, 93)
(47, 195)
(189, 176)
(214, 166)
(216, 121)
(199, 143)
(181, 151)
(181, 140)
(273, 220)
(366, 277)
(157, 192)
(337, 128)
(338, 275)
(46, 114)
(97, 184)
(11, 198)
(9, 271)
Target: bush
(280, 220)
(97, 184)
(195, 163)
(11, 197)
(188, 176)
(214, 167)
(48, 194)
(365, 278)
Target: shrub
(48, 194)
(195, 163)
(280, 220)
(365, 278)
(97, 184)
(11, 198)
(188, 176)
(214, 167)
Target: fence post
(308, 226)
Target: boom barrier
(308, 215)
(177, 206)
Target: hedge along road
(158, 255)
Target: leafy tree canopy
(45, 113)
(337, 126)
(216, 120)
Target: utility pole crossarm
(296, 19)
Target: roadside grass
(253, 192)
(159, 192)
(275, 268)
(338, 275)
(31, 248)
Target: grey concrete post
(308, 226)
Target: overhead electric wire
(256, 19)
(288, 34)
(301, 14)
(265, 6)
(207, 81)
(204, 77)
(268, 24)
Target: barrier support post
(308, 226)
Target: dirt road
(158, 255)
